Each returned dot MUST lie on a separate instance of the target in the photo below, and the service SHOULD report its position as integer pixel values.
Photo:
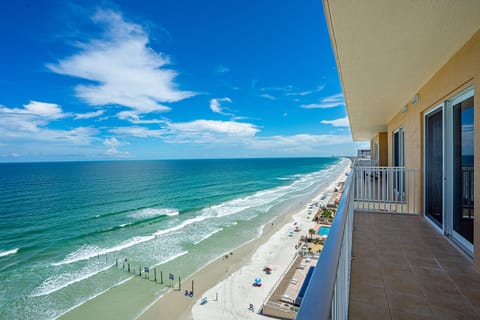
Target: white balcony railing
(327, 295)
(367, 189)
(467, 192)
(385, 189)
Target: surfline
(58, 282)
(8, 252)
(207, 236)
(228, 208)
(154, 212)
(88, 252)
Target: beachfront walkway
(402, 268)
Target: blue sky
(96, 80)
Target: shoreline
(218, 273)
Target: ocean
(64, 225)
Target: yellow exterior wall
(461, 71)
(382, 140)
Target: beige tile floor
(402, 268)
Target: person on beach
(251, 307)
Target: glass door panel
(463, 169)
(434, 166)
(398, 161)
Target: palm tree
(311, 232)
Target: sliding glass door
(449, 168)
(398, 148)
(434, 166)
(463, 169)
(398, 161)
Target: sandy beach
(227, 283)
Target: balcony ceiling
(386, 50)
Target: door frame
(401, 146)
(425, 115)
(448, 154)
(447, 168)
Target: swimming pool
(323, 231)
(301, 293)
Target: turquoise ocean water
(63, 225)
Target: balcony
(377, 264)
(402, 268)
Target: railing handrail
(317, 301)
(386, 189)
(385, 168)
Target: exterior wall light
(414, 99)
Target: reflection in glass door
(398, 161)
(398, 148)
(463, 145)
(434, 166)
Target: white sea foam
(260, 230)
(207, 236)
(8, 252)
(88, 252)
(154, 212)
(180, 226)
(258, 199)
(63, 280)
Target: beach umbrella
(258, 280)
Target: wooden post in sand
(161, 277)
(116, 263)
(140, 271)
(179, 284)
(155, 274)
(192, 287)
(129, 268)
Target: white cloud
(287, 88)
(341, 122)
(300, 144)
(140, 132)
(333, 101)
(233, 128)
(122, 68)
(216, 105)
(30, 123)
(112, 143)
(268, 96)
(198, 131)
(89, 115)
(308, 140)
(136, 119)
(307, 92)
(242, 135)
(43, 109)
